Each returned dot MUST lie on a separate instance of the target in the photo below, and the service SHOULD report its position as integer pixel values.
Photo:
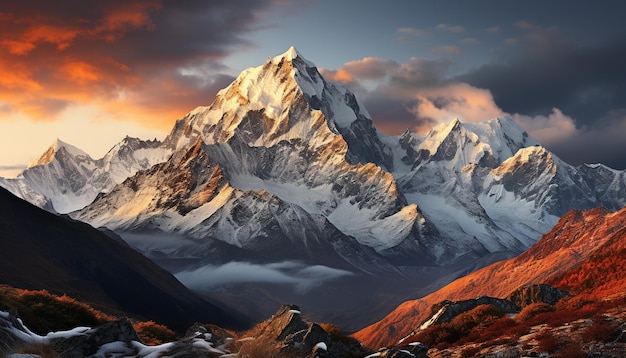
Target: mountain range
(285, 174)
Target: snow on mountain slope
(608, 184)
(66, 178)
(280, 129)
(189, 196)
(502, 189)
(48, 155)
(286, 99)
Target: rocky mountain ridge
(283, 129)
(577, 243)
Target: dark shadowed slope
(40, 250)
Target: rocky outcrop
(412, 350)
(90, 342)
(530, 294)
(446, 311)
(113, 339)
(294, 336)
(12, 332)
(285, 322)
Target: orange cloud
(15, 76)
(60, 36)
(18, 47)
(340, 75)
(553, 128)
(118, 22)
(455, 100)
(368, 68)
(122, 57)
(80, 72)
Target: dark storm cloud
(414, 95)
(583, 81)
(596, 144)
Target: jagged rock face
(528, 295)
(189, 195)
(284, 129)
(284, 100)
(286, 321)
(505, 189)
(608, 184)
(296, 337)
(281, 128)
(187, 181)
(13, 333)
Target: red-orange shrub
(547, 342)
(532, 310)
(571, 350)
(601, 330)
(153, 334)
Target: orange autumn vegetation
(603, 275)
(485, 325)
(153, 334)
(43, 312)
(445, 334)
(584, 253)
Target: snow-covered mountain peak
(291, 54)
(285, 100)
(487, 143)
(525, 156)
(54, 148)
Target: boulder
(541, 293)
(89, 342)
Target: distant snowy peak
(487, 144)
(66, 178)
(57, 146)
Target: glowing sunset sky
(91, 72)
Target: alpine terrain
(283, 179)
(569, 286)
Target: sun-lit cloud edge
(427, 97)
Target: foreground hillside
(41, 250)
(583, 254)
(40, 324)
